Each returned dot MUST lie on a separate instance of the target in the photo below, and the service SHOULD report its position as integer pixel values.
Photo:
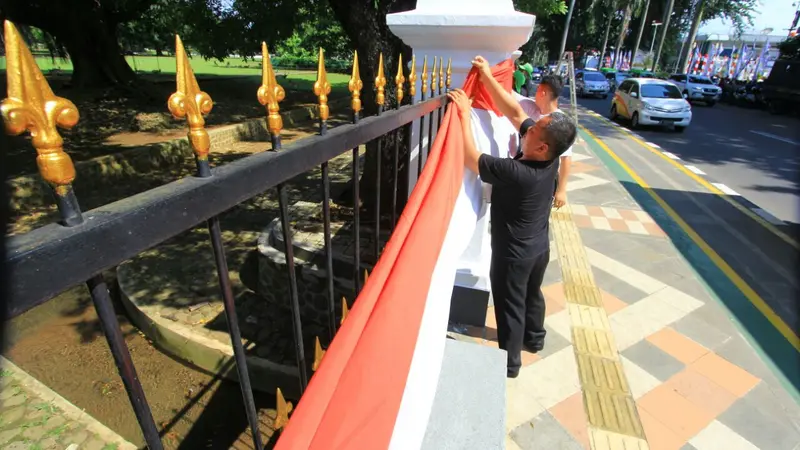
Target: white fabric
(426, 362)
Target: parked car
(650, 101)
(696, 87)
(590, 82)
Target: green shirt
(519, 80)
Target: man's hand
(483, 66)
(560, 198)
(462, 103)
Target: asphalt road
(750, 151)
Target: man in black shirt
(522, 196)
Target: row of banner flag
(739, 63)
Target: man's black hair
(560, 133)
(554, 83)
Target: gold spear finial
(412, 78)
(366, 276)
(433, 77)
(318, 354)
(380, 82)
(425, 75)
(282, 410)
(355, 85)
(32, 106)
(270, 93)
(449, 73)
(399, 79)
(322, 87)
(441, 74)
(345, 310)
(190, 102)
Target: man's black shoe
(512, 373)
(534, 347)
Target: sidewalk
(32, 417)
(635, 340)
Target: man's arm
(471, 153)
(563, 175)
(505, 102)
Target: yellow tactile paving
(614, 422)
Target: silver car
(591, 83)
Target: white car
(591, 83)
(697, 88)
(649, 101)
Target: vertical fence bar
(423, 91)
(32, 106)
(321, 89)
(441, 88)
(412, 92)
(190, 102)
(355, 85)
(399, 79)
(271, 94)
(430, 116)
(380, 85)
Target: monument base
(469, 408)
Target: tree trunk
(605, 42)
(667, 16)
(696, 20)
(625, 20)
(366, 26)
(641, 31)
(87, 30)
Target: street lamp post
(655, 32)
(566, 29)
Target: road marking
(651, 144)
(695, 170)
(743, 209)
(724, 188)
(776, 137)
(671, 155)
(740, 284)
(767, 216)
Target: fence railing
(84, 244)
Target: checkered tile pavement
(695, 381)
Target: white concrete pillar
(458, 29)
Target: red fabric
(503, 73)
(353, 399)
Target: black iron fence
(84, 244)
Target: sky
(776, 14)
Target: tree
(642, 24)
(740, 12)
(87, 29)
(630, 7)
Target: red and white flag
(375, 386)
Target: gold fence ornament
(380, 82)
(319, 353)
(345, 310)
(366, 276)
(424, 75)
(32, 106)
(441, 74)
(399, 79)
(190, 102)
(322, 87)
(270, 93)
(282, 410)
(412, 77)
(433, 77)
(449, 73)
(355, 85)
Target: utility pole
(566, 29)
(667, 16)
(655, 32)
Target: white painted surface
(767, 216)
(652, 144)
(776, 137)
(717, 436)
(671, 155)
(695, 170)
(725, 189)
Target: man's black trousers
(518, 304)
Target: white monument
(458, 30)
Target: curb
(68, 409)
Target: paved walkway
(639, 353)
(32, 417)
